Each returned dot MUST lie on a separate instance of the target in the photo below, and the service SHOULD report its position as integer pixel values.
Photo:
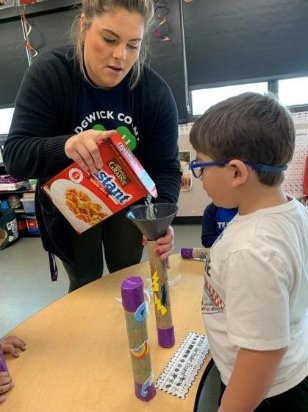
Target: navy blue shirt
(214, 221)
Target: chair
(209, 390)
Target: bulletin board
(193, 199)
(294, 176)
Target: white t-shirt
(256, 291)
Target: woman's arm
(42, 120)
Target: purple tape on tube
(132, 293)
(3, 367)
(166, 337)
(187, 253)
(145, 392)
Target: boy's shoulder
(272, 227)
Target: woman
(72, 98)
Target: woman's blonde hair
(93, 8)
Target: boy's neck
(260, 197)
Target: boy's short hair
(251, 127)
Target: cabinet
(26, 220)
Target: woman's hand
(83, 149)
(5, 385)
(11, 344)
(165, 245)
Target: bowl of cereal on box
(81, 207)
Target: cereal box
(86, 199)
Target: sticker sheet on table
(181, 371)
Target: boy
(256, 281)
(214, 221)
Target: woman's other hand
(165, 245)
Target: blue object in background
(4, 204)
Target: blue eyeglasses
(198, 167)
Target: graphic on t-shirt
(208, 264)
(221, 225)
(111, 120)
(129, 139)
(100, 127)
(211, 301)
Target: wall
(51, 27)
(193, 199)
(235, 40)
(225, 41)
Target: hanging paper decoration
(26, 30)
(161, 30)
(28, 2)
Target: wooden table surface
(77, 357)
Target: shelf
(23, 212)
(16, 192)
(23, 235)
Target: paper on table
(178, 376)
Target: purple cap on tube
(132, 293)
(187, 253)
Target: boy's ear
(239, 172)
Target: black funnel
(152, 219)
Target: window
(6, 119)
(202, 99)
(293, 91)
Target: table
(77, 356)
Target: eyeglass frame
(259, 167)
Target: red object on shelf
(22, 226)
(32, 225)
(21, 2)
(305, 182)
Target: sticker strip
(181, 371)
